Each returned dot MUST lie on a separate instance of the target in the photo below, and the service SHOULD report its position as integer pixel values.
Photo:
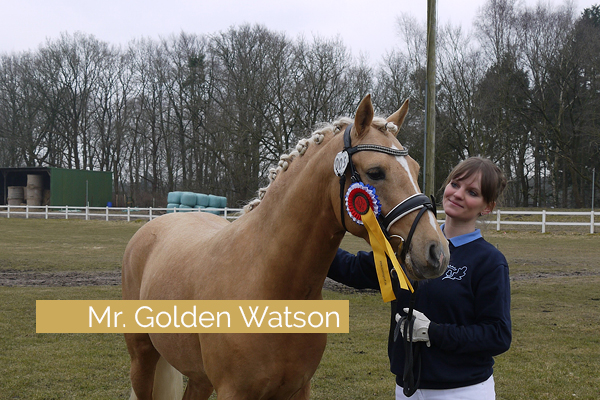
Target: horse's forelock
(383, 125)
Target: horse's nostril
(435, 255)
(437, 259)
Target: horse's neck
(298, 230)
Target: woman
(463, 316)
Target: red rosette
(359, 198)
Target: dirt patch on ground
(113, 278)
(338, 287)
(544, 275)
(62, 278)
(107, 278)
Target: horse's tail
(168, 383)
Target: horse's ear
(364, 116)
(398, 117)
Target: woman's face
(463, 200)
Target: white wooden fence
(105, 213)
(502, 218)
(544, 218)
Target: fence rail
(502, 217)
(101, 213)
(544, 218)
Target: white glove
(420, 331)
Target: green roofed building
(55, 186)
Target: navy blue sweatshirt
(469, 309)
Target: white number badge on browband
(341, 163)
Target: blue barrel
(202, 200)
(174, 198)
(188, 199)
(213, 201)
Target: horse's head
(375, 157)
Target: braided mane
(317, 138)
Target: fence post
(46, 211)
(107, 213)
(150, 214)
(87, 213)
(543, 221)
(27, 211)
(8, 211)
(592, 222)
(66, 212)
(128, 214)
(497, 219)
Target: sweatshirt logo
(455, 273)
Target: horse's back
(165, 245)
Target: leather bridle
(418, 201)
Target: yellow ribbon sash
(381, 247)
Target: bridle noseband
(419, 201)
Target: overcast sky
(365, 26)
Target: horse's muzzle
(431, 266)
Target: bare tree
(20, 104)
(242, 73)
(542, 34)
(213, 113)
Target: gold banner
(187, 316)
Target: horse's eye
(376, 174)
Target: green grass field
(63, 245)
(555, 310)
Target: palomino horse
(281, 249)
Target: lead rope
(412, 351)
